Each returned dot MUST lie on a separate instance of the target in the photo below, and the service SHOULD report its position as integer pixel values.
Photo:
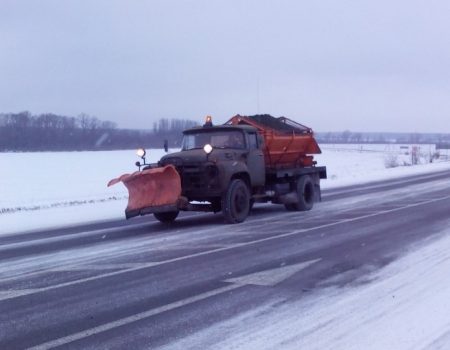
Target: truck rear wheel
(236, 202)
(305, 195)
(166, 217)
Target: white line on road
(263, 278)
(9, 294)
(97, 267)
(222, 249)
(273, 276)
(72, 236)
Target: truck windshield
(217, 139)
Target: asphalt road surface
(142, 284)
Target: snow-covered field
(43, 190)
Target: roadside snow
(45, 189)
(50, 189)
(352, 164)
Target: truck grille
(198, 177)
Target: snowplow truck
(227, 168)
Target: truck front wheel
(166, 217)
(236, 202)
(305, 195)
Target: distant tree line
(50, 132)
(374, 137)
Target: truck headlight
(141, 152)
(207, 148)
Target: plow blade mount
(151, 190)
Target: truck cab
(212, 157)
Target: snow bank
(352, 166)
(50, 189)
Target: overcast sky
(332, 65)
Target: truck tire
(166, 217)
(305, 195)
(236, 202)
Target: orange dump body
(287, 143)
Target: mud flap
(151, 188)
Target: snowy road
(202, 284)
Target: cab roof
(206, 129)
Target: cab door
(255, 159)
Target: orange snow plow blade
(151, 190)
